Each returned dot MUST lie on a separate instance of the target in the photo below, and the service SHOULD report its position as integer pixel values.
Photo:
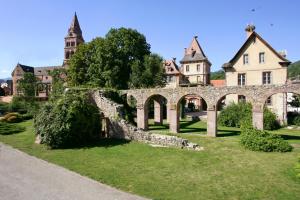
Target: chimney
(185, 50)
(249, 30)
(174, 59)
(283, 53)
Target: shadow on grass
(290, 137)
(103, 142)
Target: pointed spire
(195, 47)
(75, 27)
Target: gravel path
(28, 178)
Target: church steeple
(73, 39)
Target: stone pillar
(284, 108)
(158, 112)
(212, 121)
(142, 116)
(174, 118)
(258, 117)
(168, 112)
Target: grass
(224, 170)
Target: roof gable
(253, 36)
(171, 67)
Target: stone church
(72, 40)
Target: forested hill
(294, 69)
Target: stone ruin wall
(119, 128)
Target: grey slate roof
(26, 68)
(195, 57)
(44, 71)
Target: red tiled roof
(217, 83)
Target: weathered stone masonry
(120, 129)
(256, 95)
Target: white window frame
(262, 57)
(267, 78)
(241, 79)
(246, 59)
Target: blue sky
(32, 32)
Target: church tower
(73, 39)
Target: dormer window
(246, 59)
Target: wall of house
(195, 76)
(18, 73)
(254, 71)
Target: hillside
(217, 75)
(294, 69)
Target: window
(241, 99)
(241, 79)
(46, 77)
(72, 44)
(199, 79)
(187, 68)
(269, 101)
(246, 59)
(198, 68)
(266, 78)
(261, 57)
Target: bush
(24, 105)
(7, 129)
(296, 120)
(257, 140)
(235, 114)
(12, 118)
(70, 121)
(270, 121)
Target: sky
(32, 32)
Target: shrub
(12, 118)
(7, 129)
(235, 114)
(68, 122)
(257, 140)
(296, 120)
(270, 121)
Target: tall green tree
(147, 73)
(108, 62)
(27, 85)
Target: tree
(27, 85)
(148, 73)
(58, 79)
(107, 62)
(296, 101)
(218, 75)
(294, 70)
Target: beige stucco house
(257, 63)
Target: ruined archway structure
(256, 95)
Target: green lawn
(224, 170)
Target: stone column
(142, 117)
(284, 108)
(258, 117)
(158, 112)
(168, 112)
(174, 118)
(212, 121)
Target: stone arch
(155, 106)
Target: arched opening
(285, 106)
(191, 115)
(233, 109)
(156, 112)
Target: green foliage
(148, 73)
(4, 107)
(296, 120)
(27, 85)
(296, 101)
(218, 75)
(58, 79)
(294, 70)
(234, 114)
(68, 122)
(112, 62)
(23, 105)
(8, 129)
(257, 140)
(270, 120)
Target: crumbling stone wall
(121, 129)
